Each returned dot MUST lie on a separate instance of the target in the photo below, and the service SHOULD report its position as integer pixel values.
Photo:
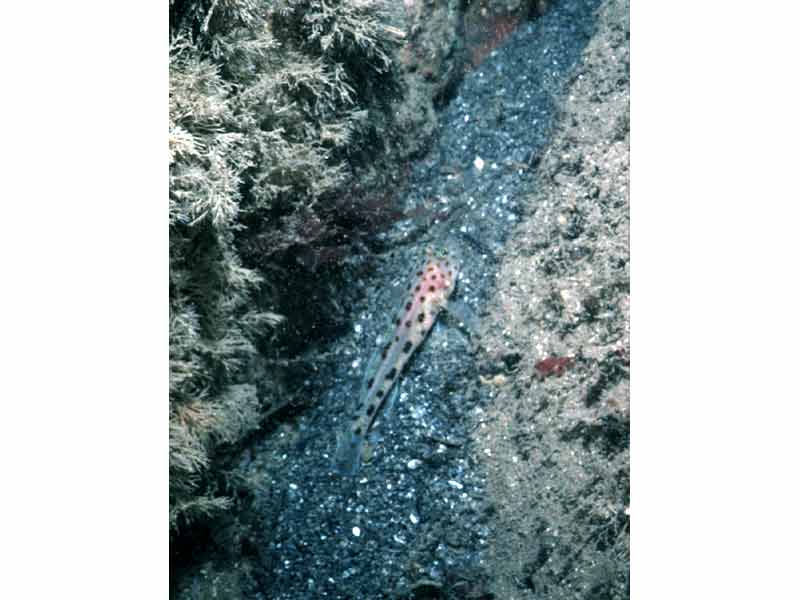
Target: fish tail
(348, 453)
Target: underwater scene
(399, 299)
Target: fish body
(425, 297)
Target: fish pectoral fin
(389, 405)
(347, 459)
(462, 315)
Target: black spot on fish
(421, 317)
(449, 273)
(397, 337)
(379, 393)
(416, 289)
(422, 299)
(447, 263)
(370, 408)
(357, 431)
(431, 289)
(408, 323)
(419, 273)
(408, 306)
(407, 347)
(370, 382)
(397, 321)
(430, 269)
(391, 374)
(433, 276)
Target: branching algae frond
(427, 294)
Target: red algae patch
(553, 365)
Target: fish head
(442, 267)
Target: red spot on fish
(553, 365)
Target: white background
(84, 313)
